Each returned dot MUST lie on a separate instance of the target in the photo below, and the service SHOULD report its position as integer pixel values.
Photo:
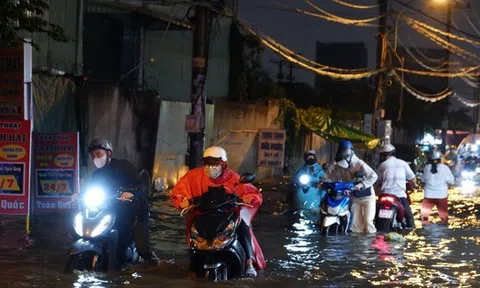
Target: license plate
(385, 214)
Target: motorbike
(390, 214)
(306, 194)
(215, 251)
(98, 246)
(335, 208)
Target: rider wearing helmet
(116, 173)
(343, 170)
(311, 165)
(213, 173)
(437, 177)
(393, 174)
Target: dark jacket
(116, 174)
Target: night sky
(301, 32)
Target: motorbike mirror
(325, 166)
(247, 178)
(359, 174)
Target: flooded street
(432, 256)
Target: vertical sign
(271, 148)
(56, 171)
(367, 123)
(12, 95)
(15, 137)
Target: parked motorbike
(98, 246)
(215, 252)
(390, 214)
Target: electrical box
(385, 130)
(192, 123)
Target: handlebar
(187, 209)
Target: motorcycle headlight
(222, 240)
(477, 170)
(468, 184)
(104, 223)
(78, 224)
(94, 197)
(304, 179)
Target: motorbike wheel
(384, 225)
(83, 262)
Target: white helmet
(215, 152)
(387, 148)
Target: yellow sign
(8, 183)
(55, 186)
(64, 161)
(12, 152)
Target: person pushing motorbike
(215, 173)
(113, 174)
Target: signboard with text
(271, 148)
(15, 78)
(56, 171)
(15, 140)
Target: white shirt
(393, 175)
(436, 185)
(335, 173)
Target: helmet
(309, 152)
(344, 145)
(387, 148)
(345, 151)
(436, 155)
(100, 144)
(215, 152)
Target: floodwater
(432, 256)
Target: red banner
(56, 171)
(15, 139)
(12, 98)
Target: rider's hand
(184, 204)
(126, 196)
(319, 185)
(347, 192)
(248, 199)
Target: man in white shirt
(343, 170)
(393, 175)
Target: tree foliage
(20, 16)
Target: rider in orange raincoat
(215, 173)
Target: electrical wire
(420, 95)
(421, 63)
(442, 60)
(445, 44)
(436, 20)
(410, 20)
(311, 4)
(335, 19)
(292, 58)
(356, 6)
(466, 102)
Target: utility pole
(448, 28)
(381, 64)
(291, 78)
(199, 75)
(280, 64)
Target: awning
(319, 121)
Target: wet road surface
(433, 256)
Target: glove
(184, 204)
(249, 199)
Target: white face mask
(343, 164)
(100, 162)
(213, 171)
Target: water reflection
(433, 255)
